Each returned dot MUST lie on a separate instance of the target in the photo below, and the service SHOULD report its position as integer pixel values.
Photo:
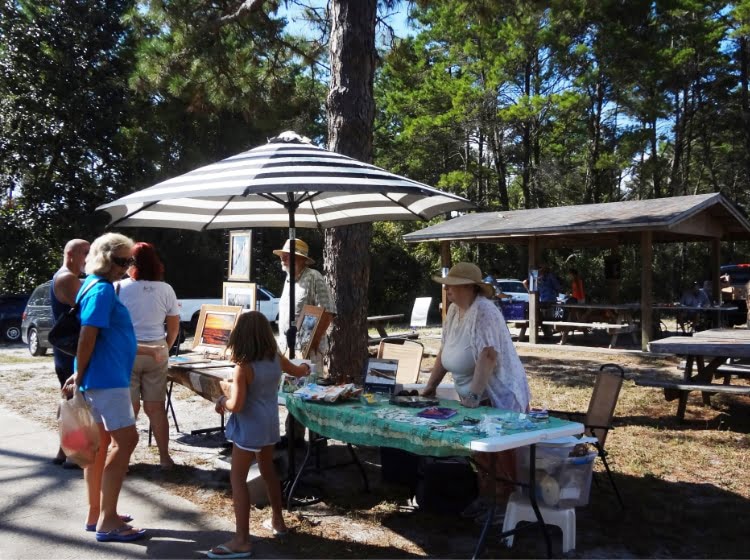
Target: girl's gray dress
(257, 424)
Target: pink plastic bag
(79, 434)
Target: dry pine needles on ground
(685, 485)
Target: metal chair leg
(603, 457)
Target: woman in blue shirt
(106, 352)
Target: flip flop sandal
(267, 524)
(118, 535)
(124, 517)
(223, 551)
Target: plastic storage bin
(561, 481)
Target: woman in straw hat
(478, 351)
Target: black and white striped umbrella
(288, 182)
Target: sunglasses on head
(123, 261)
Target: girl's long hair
(252, 339)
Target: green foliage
(511, 103)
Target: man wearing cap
(310, 288)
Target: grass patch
(9, 359)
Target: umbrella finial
(291, 137)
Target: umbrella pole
(291, 334)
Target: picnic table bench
(522, 324)
(676, 389)
(727, 371)
(379, 322)
(613, 329)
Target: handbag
(79, 434)
(65, 332)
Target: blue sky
(396, 18)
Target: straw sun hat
(300, 249)
(464, 273)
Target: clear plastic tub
(561, 481)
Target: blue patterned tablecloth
(387, 425)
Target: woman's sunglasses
(123, 261)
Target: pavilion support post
(445, 264)
(533, 296)
(647, 263)
(716, 270)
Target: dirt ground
(685, 485)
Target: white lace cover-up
(485, 326)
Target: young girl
(254, 424)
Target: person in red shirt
(576, 286)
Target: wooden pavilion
(711, 218)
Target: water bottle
(312, 377)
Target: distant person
(707, 290)
(694, 297)
(151, 303)
(549, 289)
(576, 286)
(478, 351)
(548, 286)
(65, 285)
(253, 426)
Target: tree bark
(351, 114)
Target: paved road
(42, 507)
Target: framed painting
(241, 294)
(240, 243)
(312, 324)
(215, 324)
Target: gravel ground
(348, 522)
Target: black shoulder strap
(83, 293)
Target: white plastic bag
(79, 434)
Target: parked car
(265, 302)
(37, 320)
(734, 287)
(11, 309)
(513, 288)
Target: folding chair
(409, 355)
(598, 419)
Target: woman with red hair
(151, 303)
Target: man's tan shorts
(148, 381)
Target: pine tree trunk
(351, 114)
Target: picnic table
(714, 311)
(380, 321)
(716, 347)
(614, 318)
